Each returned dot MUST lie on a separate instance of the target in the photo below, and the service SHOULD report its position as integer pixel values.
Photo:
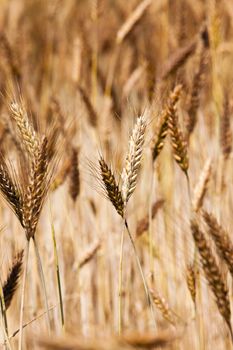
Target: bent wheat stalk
(119, 198)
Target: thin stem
(150, 223)
(58, 275)
(148, 296)
(120, 284)
(39, 264)
(7, 341)
(189, 189)
(23, 296)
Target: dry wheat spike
(11, 189)
(10, 286)
(179, 145)
(74, 187)
(213, 274)
(25, 128)
(225, 128)
(163, 307)
(36, 190)
(191, 281)
(163, 130)
(133, 160)
(111, 187)
(221, 238)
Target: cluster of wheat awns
(25, 188)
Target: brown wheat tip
(159, 141)
(191, 281)
(213, 274)
(225, 129)
(111, 187)
(11, 283)
(74, 188)
(143, 224)
(11, 189)
(221, 238)
(133, 160)
(179, 145)
(201, 186)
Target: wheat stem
(58, 275)
(23, 296)
(148, 296)
(41, 273)
(120, 283)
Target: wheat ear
(36, 190)
(111, 187)
(225, 128)
(26, 131)
(179, 145)
(191, 281)
(163, 130)
(11, 283)
(213, 274)
(221, 238)
(162, 305)
(74, 187)
(133, 160)
(10, 189)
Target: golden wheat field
(116, 175)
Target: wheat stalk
(201, 186)
(130, 22)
